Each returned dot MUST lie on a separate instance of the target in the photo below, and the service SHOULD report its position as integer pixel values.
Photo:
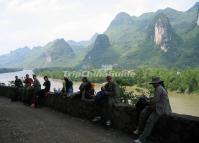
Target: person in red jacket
(28, 81)
(27, 91)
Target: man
(109, 94)
(28, 81)
(84, 88)
(36, 83)
(158, 106)
(36, 89)
(18, 82)
(68, 86)
(18, 86)
(28, 90)
(43, 93)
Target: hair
(85, 79)
(34, 75)
(45, 77)
(162, 84)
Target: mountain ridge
(165, 38)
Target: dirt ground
(23, 124)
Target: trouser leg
(107, 111)
(145, 113)
(149, 126)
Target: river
(180, 103)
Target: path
(22, 124)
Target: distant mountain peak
(122, 18)
(102, 42)
(122, 15)
(196, 5)
(61, 40)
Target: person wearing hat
(158, 105)
(110, 93)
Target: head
(92, 85)
(16, 77)
(66, 78)
(27, 75)
(84, 79)
(156, 81)
(45, 78)
(34, 76)
(109, 78)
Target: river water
(180, 103)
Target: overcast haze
(36, 22)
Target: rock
(162, 32)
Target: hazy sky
(36, 22)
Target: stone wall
(169, 129)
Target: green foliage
(181, 80)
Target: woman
(158, 106)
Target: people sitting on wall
(36, 89)
(86, 89)
(158, 105)
(40, 98)
(67, 87)
(27, 90)
(105, 99)
(18, 85)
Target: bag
(100, 97)
(90, 94)
(142, 103)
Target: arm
(157, 95)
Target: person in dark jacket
(43, 93)
(18, 86)
(18, 82)
(86, 89)
(67, 86)
(108, 96)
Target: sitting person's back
(46, 84)
(86, 89)
(68, 86)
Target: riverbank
(9, 70)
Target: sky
(37, 22)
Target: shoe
(32, 105)
(137, 141)
(136, 132)
(96, 119)
(108, 123)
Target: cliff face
(101, 44)
(198, 20)
(100, 54)
(162, 32)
